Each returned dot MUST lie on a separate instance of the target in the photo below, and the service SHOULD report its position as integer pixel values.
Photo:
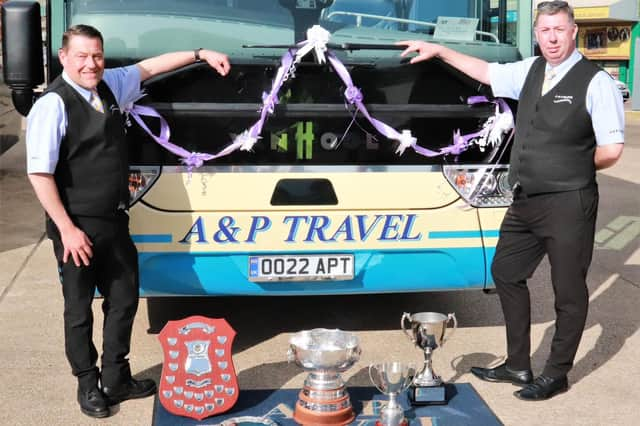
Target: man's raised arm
(170, 61)
(475, 68)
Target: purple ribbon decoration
(269, 100)
(354, 96)
(190, 159)
(243, 141)
(490, 134)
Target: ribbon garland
(317, 38)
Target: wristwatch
(196, 54)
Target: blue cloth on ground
(465, 407)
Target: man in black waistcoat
(570, 123)
(78, 166)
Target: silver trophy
(392, 378)
(324, 354)
(427, 331)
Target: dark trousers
(113, 270)
(562, 226)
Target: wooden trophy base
(323, 412)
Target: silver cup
(427, 331)
(392, 378)
(324, 354)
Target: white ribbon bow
(502, 124)
(406, 140)
(317, 39)
(245, 141)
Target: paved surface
(36, 386)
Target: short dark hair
(553, 7)
(81, 30)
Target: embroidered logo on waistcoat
(557, 99)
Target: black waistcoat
(554, 143)
(92, 170)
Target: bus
(325, 199)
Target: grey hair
(553, 7)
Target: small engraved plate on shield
(197, 359)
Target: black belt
(519, 194)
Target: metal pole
(635, 96)
(502, 21)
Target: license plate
(301, 268)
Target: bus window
(312, 126)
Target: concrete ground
(36, 386)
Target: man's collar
(85, 93)
(570, 61)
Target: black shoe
(130, 390)
(543, 387)
(93, 402)
(502, 373)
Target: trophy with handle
(427, 331)
(392, 378)
(325, 354)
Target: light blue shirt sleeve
(507, 80)
(606, 108)
(47, 120)
(46, 125)
(124, 83)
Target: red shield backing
(198, 376)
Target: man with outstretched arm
(570, 123)
(77, 164)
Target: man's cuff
(40, 167)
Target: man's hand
(218, 61)
(475, 68)
(425, 50)
(77, 244)
(74, 240)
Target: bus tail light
(481, 185)
(141, 178)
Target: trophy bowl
(324, 354)
(392, 378)
(428, 329)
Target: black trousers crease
(562, 226)
(113, 270)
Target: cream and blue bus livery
(323, 203)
